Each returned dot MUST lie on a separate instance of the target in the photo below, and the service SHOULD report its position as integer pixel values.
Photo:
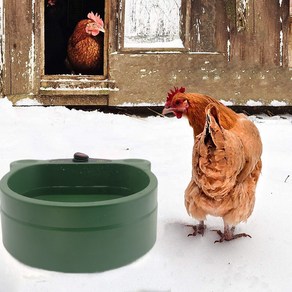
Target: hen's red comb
(172, 93)
(96, 18)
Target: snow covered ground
(176, 262)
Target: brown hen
(85, 46)
(226, 161)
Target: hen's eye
(177, 102)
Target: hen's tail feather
(213, 131)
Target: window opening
(86, 52)
(152, 24)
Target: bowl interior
(78, 182)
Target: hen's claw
(198, 229)
(229, 235)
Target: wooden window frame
(70, 84)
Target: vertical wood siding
(19, 71)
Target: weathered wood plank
(202, 29)
(290, 42)
(256, 35)
(76, 100)
(221, 32)
(76, 85)
(1, 47)
(267, 25)
(284, 14)
(19, 71)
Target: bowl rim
(136, 163)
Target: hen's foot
(198, 229)
(229, 234)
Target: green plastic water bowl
(79, 215)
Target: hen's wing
(218, 158)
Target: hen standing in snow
(226, 161)
(85, 46)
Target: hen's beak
(102, 29)
(167, 110)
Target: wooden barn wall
(237, 57)
(245, 63)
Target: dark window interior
(61, 17)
